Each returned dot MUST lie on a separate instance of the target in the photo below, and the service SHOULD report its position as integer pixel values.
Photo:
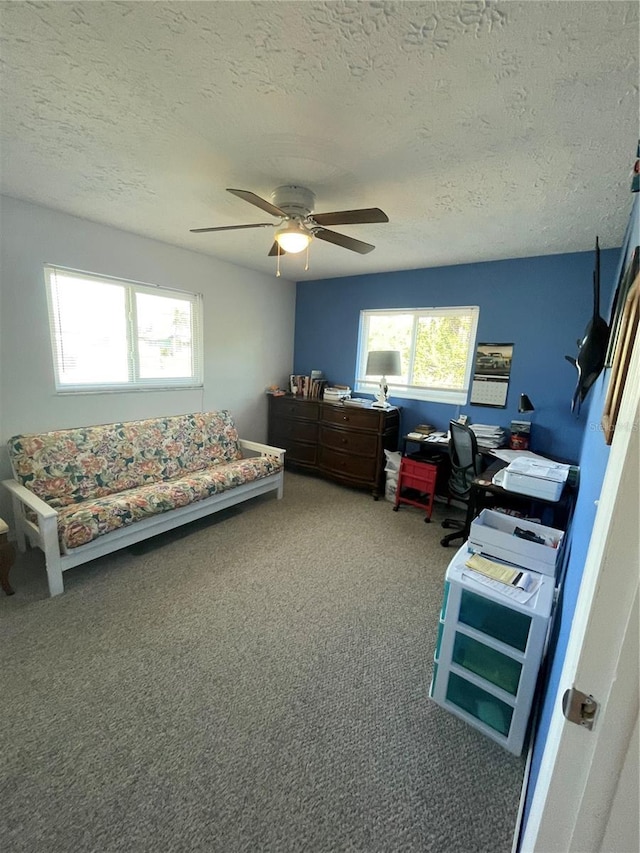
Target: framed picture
(628, 329)
(627, 276)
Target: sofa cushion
(67, 466)
(80, 523)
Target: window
(436, 346)
(113, 335)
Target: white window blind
(436, 348)
(109, 334)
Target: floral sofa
(81, 493)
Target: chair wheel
(444, 542)
(446, 525)
(427, 521)
(396, 508)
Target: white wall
(248, 326)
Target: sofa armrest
(22, 494)
(262, 449)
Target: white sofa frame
(43, 532)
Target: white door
(586, 796)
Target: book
(299, 385)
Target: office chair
(466, 463)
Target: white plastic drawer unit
(488, 653)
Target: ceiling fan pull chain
(306, 266)
(278, 262)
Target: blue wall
(540, 304)
(593, 462)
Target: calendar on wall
(491, 375)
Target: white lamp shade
(384, 362)
(293, 238)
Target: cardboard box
(492, 533)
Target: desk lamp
(520, 430)
(525, 404)
(380, 363)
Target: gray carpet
(254, 682)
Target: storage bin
(492, 533)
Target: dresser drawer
(354, 467)
(352, 417)
(297, 452)
(294, 430)
(286, 407)
(360, 444)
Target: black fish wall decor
(592, 349)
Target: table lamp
(380, 363)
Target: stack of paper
(335, 393)
(489, 436)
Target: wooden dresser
(344, 443)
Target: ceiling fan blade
(344, 241)
(232, 227)
(262, 203)
(351, 217)
(273, 251)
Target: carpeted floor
(255, 682)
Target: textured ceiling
(484, 130)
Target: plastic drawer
(502, 623)
(488, 663)
(480, 704)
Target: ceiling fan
(298, 224)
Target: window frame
(409, 391)
(134, 382)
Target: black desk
(484, 493)
(425, 447)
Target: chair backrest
(466, 462)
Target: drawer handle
(344, 441)
(345, 417)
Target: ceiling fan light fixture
(293, 237)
